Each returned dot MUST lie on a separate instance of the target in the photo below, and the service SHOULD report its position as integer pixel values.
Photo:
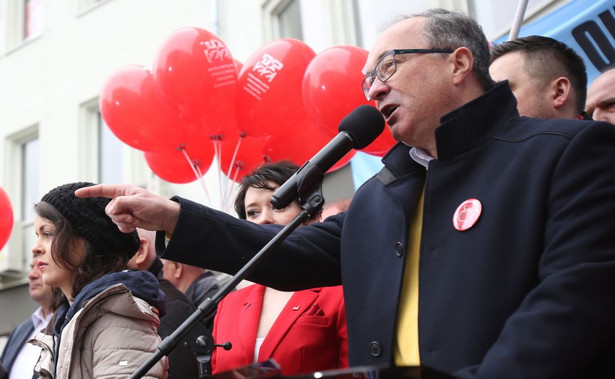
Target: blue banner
(587, 26)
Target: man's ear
(141, 254)
(560, 91)
(178, 269)
(463, 61)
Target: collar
(39, 320)
(472, 124)
(420, 156)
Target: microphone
(357, 130)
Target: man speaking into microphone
(485, 247)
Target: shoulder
(242, 295)
(526, 129)
(118, 307)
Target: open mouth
(41, 265)
(388, 110)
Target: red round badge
(467, 214)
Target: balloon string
(197, 173)
(218, 152)
(227, 193)
(202, 181)
(234, 156)
(231, 187)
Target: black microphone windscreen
(363, 124)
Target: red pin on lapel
(467, 214)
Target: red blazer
(308, 335)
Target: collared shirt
(23, 367)
(420, 156)
(407, 347)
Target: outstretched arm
(133, 207)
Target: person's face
(39, 291)
(414, 98)
(532, 97)
(53, 275)
(169, 271)
(260, 211)
(601, 98)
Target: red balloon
(239, 156)
(196, 73)
(299, 145)
(6, 218)
(331, 90)
(269, 87)
(174, 167)
(135, 112)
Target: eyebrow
(606, 101)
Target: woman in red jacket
(302, 331)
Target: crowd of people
(482, 249)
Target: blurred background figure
(18, 356)
(601, 97)
(547, 77)
(182, 360)
(196, 283)
(302, 331)
(334, 208)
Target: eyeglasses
(387, 66)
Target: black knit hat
(88, 216)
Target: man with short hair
(19, 356)
(198, 284)
(601, 97)
(548, 78)
(485, 246)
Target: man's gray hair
(448, 29)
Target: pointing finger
(105, 190)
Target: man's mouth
(388, 110)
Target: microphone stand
(310, 205)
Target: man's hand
(133, 207)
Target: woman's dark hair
(66, 239)
(278, 173)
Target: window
(110, 158)
(30, 162)
(33, 18)
(288, 17)
(22, 164)
(21, 21)
(104, 158)
(282, 19)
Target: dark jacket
(526, 292)
(182, 360)
(206, 285)
(203, 287)
(18, 337)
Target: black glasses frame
(371, 76)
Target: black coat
(526, 292)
